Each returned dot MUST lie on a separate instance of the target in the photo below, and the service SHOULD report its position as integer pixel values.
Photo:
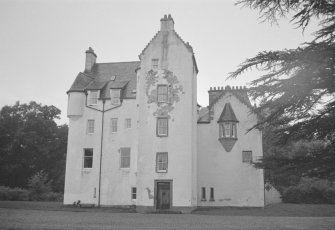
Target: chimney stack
(91, 58)
(167, 23)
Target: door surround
(156, 190)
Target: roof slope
(100, 78)
(227, 114)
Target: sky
(43, 42)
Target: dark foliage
(296, 95)
(31, 141)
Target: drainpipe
(102, 135)
(101, 145)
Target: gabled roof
(100, 78)
(227, 114)
(239, 93)
(188, 46)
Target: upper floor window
(127, 123)
(154, 63)
(93, 97)
(247, 156)
(90, 126)
(88, 158)
(162, 127)
(113, 125)
(228, 130)
(162, 162)
(125, 158)
(162, 93)
(115, 96)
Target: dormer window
(162, 93)
(228, 130)
(93, 97)
(115, 96)
(227, 127)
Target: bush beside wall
(310, 191)
(19, 194)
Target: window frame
(203, 193)
(90, 127)
(115, 100)
(158, 155)
(155, 63)
(158, 127)
(90, 98)
(166, 95)
(211, 194)
(85, 158)
(127, 123)
(124, 157)
(111, 125)
(228, 129)
(246, 159)
(133, 193)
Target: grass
(293, 210)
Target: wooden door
(163, 195)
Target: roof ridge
(234, 92)
(149, 43)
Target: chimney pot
(167, 23)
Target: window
(247, 156)
(211, 195)
(154, 63)
(88, 158)
(203, 194)
(115, 96)
(114, 125)
(228, 130)
(162, 162)
(127, 123)
(93, 97)
(125, 158)
(162, 127)
(162, 93)
(90, 126)
(133, 193)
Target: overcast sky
(43, 43)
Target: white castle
(138, 137)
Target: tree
(31, 141)
(296, 93)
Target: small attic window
(115, 96)
(113, 78)
(154, 63)
(93, 97)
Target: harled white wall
(235, 183)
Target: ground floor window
(125, 158)
(211, 195)
(88, 158)
(133, 193)
(203, 194)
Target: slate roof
(99, 78)
(227, 114)
(239, 93)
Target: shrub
(310, 191)
(39, 185)
(52, 196)
(7, 193)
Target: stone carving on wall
(175, 89)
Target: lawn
(52, 215)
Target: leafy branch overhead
(296, 93)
